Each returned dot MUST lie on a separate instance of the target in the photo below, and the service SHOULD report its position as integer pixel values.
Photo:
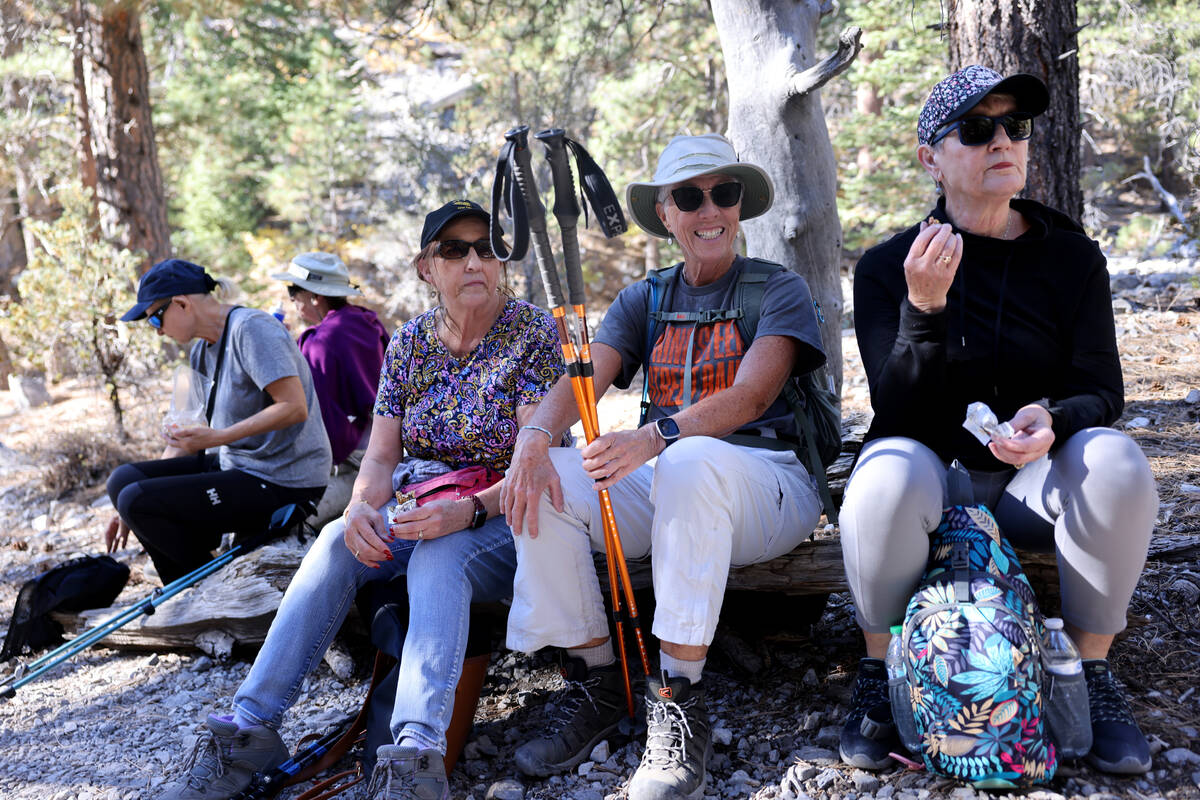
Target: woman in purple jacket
(343, 348)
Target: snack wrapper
(982, 423)
(406, 501)
(189, 395)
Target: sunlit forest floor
(109, 724)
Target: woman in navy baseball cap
(263, 447)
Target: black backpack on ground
(79, 584)
(815, 407)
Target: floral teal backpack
(972, 644)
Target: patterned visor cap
(957, 94)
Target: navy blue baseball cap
(167, 279)
(436, 220)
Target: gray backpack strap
(816, 468)
(659, 280)
(748, 295)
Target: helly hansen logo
(716, 354)
(213, 497)
(666, 693)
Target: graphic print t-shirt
(717, 347)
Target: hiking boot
(867, 747)
(225, 760)
(406, 773)
(1118, 744)
(588, 711)
(678, 742)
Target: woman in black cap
(457, 383)
(263, 448)
(1003, 301)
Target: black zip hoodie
(1025, 320)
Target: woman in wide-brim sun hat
(687, 157)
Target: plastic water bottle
(898, 692)
(279, 313)
(1066, 695)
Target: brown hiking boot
(588, 711)
(225, 760)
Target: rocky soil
(112, 725)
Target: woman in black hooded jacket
(1005, 302)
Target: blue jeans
(445, 575)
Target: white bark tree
(776, 121)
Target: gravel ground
(113, 725)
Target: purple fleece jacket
(345, 353)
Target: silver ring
(945, 259)
(356, 554)
(421, 534)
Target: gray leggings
(1092, 501)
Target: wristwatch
(668, 429)
(480, 515)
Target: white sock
(599, 656)
(678, 668)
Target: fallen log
(233, 606)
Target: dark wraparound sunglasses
(974, 131)
(724, 195)
(156, 318)
(454, 249)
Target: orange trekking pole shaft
(566, 211)
(516, 161)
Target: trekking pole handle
(566, 210)
(522, 172)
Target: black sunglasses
(974, 131)
(156, 318)
(454, 249)
(724, 195)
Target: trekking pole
(566, 211)
(273, 782)
(144, 607)
(522, 176)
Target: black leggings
(179, 507)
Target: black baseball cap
(167, 279)
(436, 220)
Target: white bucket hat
(687, 157)
(319, 273)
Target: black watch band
(480, 516)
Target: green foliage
(882, 188)
(1140, 91)
(75, 287)
(259, 123)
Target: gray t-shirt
(717, 347)
(258, 352)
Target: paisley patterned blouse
(464, 413)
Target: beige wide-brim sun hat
(319, 273)
(687, 157)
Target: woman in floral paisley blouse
(457, 383)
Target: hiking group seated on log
(471, 486)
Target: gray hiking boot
(588, 711)
(225, 761)
(406, 773)
(678, 742)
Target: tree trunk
(1041, 39)
(776, 122)
(132, 202)
(867, 101)
(85, 151)
(12, 243)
